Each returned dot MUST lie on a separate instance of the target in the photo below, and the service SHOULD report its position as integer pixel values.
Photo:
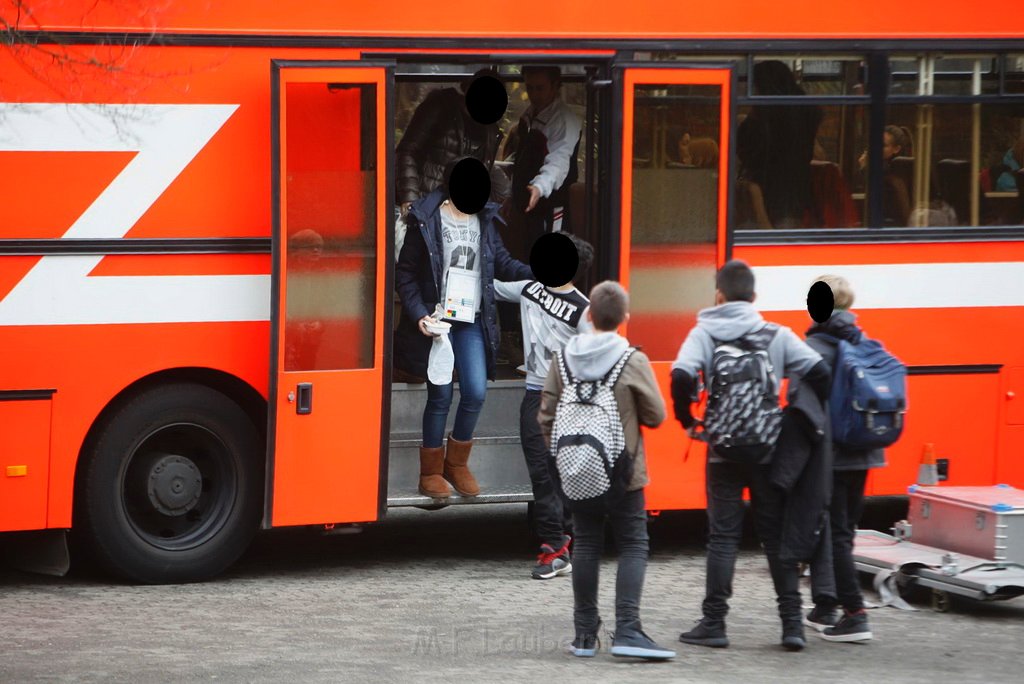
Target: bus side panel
(1010, 463)
(223, 192)
(24, 455)
(90, 365)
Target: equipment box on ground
(986, 522)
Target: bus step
(414, 498)
(496, 461)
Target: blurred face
(889, 147)
(540, 90)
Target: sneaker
(585, 645)
(793, 635)
(851, 627)
(636, 644)
(552, 563)
(821, 618)
(706, 633)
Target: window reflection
(674, 211)
(330, 187)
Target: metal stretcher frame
(895, 562)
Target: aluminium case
(985, 522)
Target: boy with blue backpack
(600, 390)
(739, 359)
(867, 399)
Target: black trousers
(834, 577)
(725, 485)
(549, 510)
(628, 519)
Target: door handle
(304, 404)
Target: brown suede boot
(431, 467)
(455, 470)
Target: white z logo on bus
(58, 289)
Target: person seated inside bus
(452, 258)
(897, 142)
(775, 145)
(303, 334)
(700, 153)
(1011, 162)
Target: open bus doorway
(497, 460)
(651, 199)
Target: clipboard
(460, 295)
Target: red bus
(181, 368)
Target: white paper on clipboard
(460, 294)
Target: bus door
(331, 291)
(674, 171)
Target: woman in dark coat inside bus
(440, 237)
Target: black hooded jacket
(440, 132)
(802, 467)
(842, 325)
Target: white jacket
(562, 129)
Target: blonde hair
(842, 293)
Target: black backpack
(743, 417)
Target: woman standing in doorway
(441, 238)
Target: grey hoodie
(590, 357)
(789, 355)
(731, 321)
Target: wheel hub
(174, 485)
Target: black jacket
(440, 132)
(802, 467)
(419, 276)
(842, 325)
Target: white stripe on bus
(877, 286)
(58, 289)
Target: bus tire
(172, 487)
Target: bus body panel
(224, 191)
(649, 19)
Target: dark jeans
(548, 506)
(834, 575)
(629, 528)
(725, 484)
(471, 365)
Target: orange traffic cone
(927, 473)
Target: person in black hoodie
(836, 582)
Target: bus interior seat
(833, 203)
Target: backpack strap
(563, 369)
(613, 375)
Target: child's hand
(696, 432)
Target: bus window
(329, 190)
(800, 165)
(957, 163)
(674, 219)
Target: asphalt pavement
(447, 595)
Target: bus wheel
(171, 489)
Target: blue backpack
(869, 395)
